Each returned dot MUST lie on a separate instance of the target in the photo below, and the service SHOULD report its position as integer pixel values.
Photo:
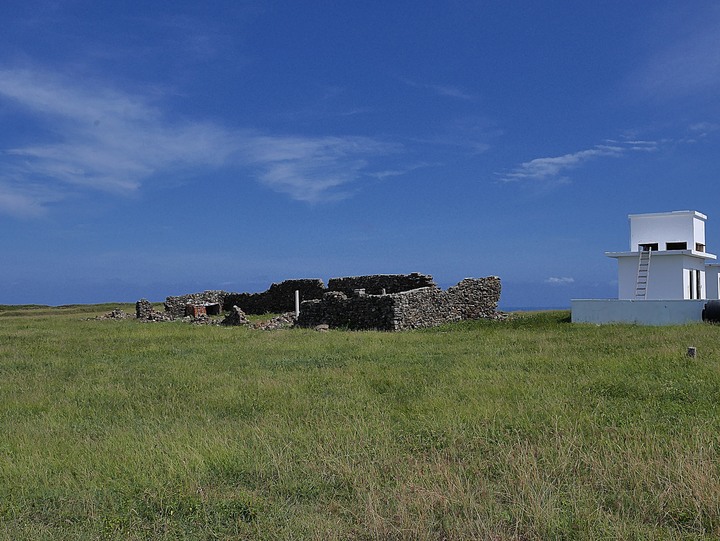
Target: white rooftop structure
(667, 257)
(666, 264)
(676, 230)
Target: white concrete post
(297, 303)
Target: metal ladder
(641, 284)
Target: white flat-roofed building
(666, 264)
(667, 258)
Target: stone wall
(144, 311)
(337, 310)
(475, 298)
(279, 298)
(175, 306)
(411, 301)
(374, 284)
(472, 298)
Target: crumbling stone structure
(389, 302)
(235, 317)
(377, 284)
(175, 306)
(472, 298)
(279, 298)
(144, 311)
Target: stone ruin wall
(411, 301)
(472, 298)
(175, 306)
(278, 299)
(374, 284)
(337, 310)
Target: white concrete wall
(712, 281)
(698, 232)
(667, 312)
(667, 277)
(664, 227)
(627, 276)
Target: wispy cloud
(544, 168)
(102, 139)
(382, 175)
(700, 130)
(560, 280)
(312, 169)
(550, 168)
(24, 201)
(446, 91)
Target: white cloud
(644, 146)
(382, 175)
(560, 281)
(700, 130)
(312, 169)
(550, 169)
(21, 204)
(446, 91)
(544, 168)
(450, 91)
(102, 139)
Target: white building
(712, 280)
(663, 278)
(667, 258)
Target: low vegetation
(532, 428)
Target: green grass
(528, 429)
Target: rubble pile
(116, 314)
(235, 317)
(283, 321)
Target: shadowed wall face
(472, 298)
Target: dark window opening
(649, 246)
(698, 285)
(699, 247)
(676, 245)
(695, 283)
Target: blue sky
(157, 148)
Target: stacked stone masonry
(175, 306)
(389, 302)
(376, 284)
(472, 298)
(144, 311)
(279, 298)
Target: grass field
(528, 429)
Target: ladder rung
(642, 274)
